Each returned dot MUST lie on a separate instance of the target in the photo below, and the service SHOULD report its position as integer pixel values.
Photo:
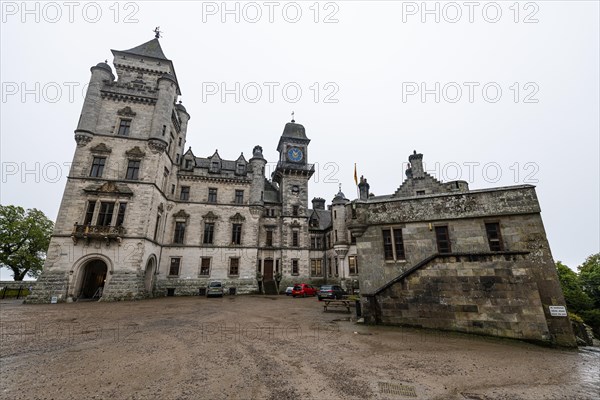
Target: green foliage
(577, 300)
(589, 275)
(24, 240)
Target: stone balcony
(98, 232)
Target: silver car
(215, 288)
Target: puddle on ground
(589, 370)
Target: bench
(337, 303)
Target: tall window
(158, 218)
(494, 236)
(337, 266)
(106, 213)
(121, 214)
(209, 232)
(234, 266)
(185, 193)
(212, 195)
(205, 266)
(295, 238)
(269, 242)
(124, 126)
(316, 242)
(239, 197)
(179, 232)
(443, 239)
(393, 244)
(316, 267)
(352, 265)
(295, 211)
(236, 234)
(295, 269)
(97, 167)
(329, 267)
(89, 213)
(133, 170)
(174, 267)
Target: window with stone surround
(97, 167)
(174, 267)
(212, 195)
(295, 211)
(179, 232)
(443, 239)
(295, 268)
(269, 239)
(393, 244)
(185, 193)
(133, 170)
(236, 234)
(121, 214)
(209, 232)
(124, 127)
(106, 213)
(352, 265)
(157, 225)
(89, 213)
(494, 236)
(295, 238)
(234, 266)
(205, 266)
(239, 197)
(316, 267)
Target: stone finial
(257, 152)
(363, 188)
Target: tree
(24, 240)
(589, 275)
(577, 300)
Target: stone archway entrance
(149, 277)
(93, 279)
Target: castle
(141, 216)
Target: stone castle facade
(141, 216)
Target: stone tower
(130, 139)
(292, 174)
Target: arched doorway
(93, 279)
(149, 277)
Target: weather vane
(157, 32)
(293, 117)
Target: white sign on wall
(558, 311)
(53, 300)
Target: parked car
(303, 290)
(331, 292)
(288, 290)
(215, 288)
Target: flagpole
(356, 183)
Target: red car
(303, 290)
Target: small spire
(340, 186)
(157, 32)
(293, 117)
(106, 61)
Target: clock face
(294, 154)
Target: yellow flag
(355, 175)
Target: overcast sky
(492, 93)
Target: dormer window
(214, 166)
(188, 164)
(241, 169)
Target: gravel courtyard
(272, 347)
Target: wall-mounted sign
(558, 311)
(54, 300)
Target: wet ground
(244, 347)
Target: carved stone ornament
(101, 148)
(210, 216)
(238, 218)
(126, 112)
(82, 139)
(181, 214)
(136, 152)
(157, 146)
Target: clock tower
(293, 171)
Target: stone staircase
(124, 285)
(49, 284)
(270, 287)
